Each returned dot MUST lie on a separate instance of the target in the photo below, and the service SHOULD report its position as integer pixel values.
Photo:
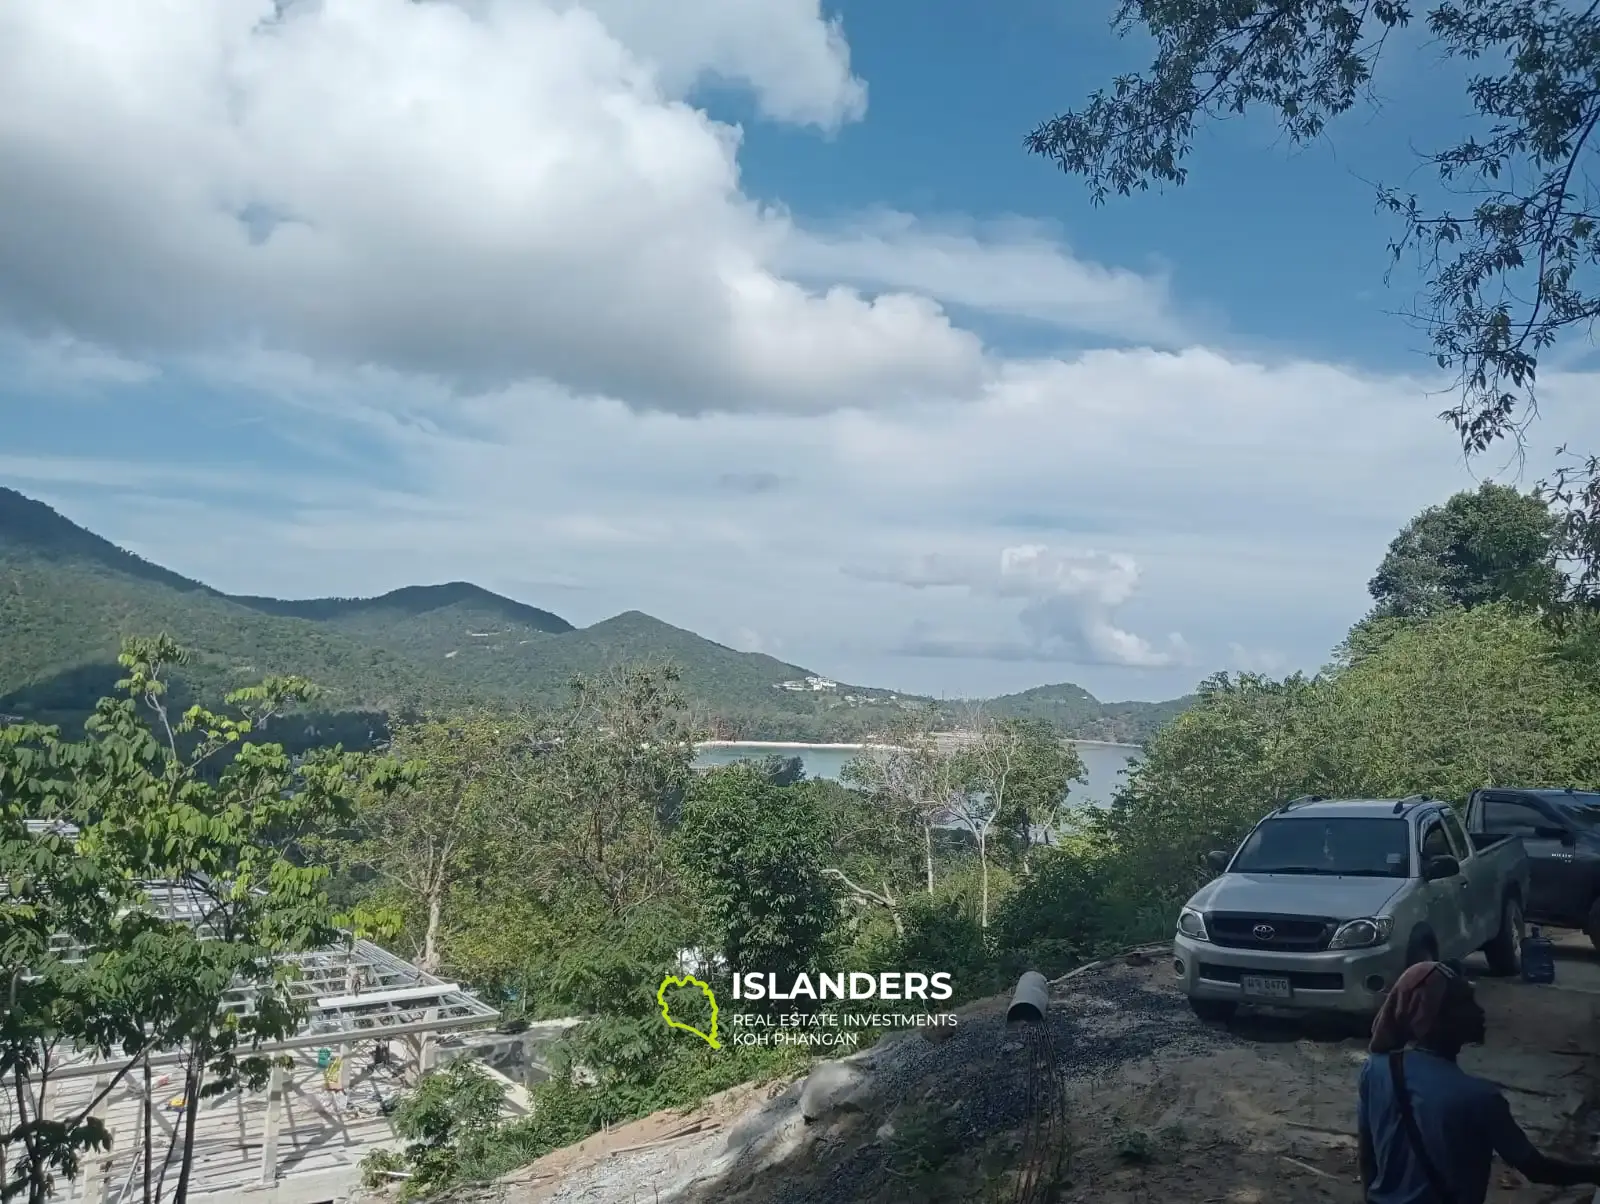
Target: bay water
(1104, 764)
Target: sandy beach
(801, 745)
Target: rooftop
(1367, 808)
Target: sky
(754, 315)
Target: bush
(943, 935)
(1060, 917)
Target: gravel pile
(977, 1080)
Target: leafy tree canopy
(1491, 545)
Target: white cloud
(499, 308)
(796, 61)
(483, 193)
(1069, 600)
(1257, 660)
(1254, 499)
(65, 365)
(1014, 268)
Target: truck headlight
(1192, 925)
(1359, 934)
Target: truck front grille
(1299, 980)
(1290, 934)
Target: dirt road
(1153, 1107)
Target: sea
(1104, 764)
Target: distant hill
(1075, 710)
(69, 597)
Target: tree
(784, 771)
(1445, 706)
(67, 932)
(192, 802)
(598, 801)
(911, 778)
(755, 854)
(1039, 785)
(1491, 545)
(428, 833)
(1207, 777)
(450, 1119)
(869, 853)
(1503, 280)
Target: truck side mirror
(1564, 835)
(1441, 867)
(1217, 861)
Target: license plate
(1265, 988)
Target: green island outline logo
(688, 980)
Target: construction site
(372, 1024)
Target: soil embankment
(1152, 1105)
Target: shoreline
(795, 744)
(800, 745)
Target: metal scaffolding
(357, 998)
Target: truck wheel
(1505, 951)
(1591, 926)
(1213, 1011)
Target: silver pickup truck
(1326, 902)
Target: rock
(885, 1131)
(833, 1087)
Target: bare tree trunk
(147, 1109)
(192, 1082)
(38, 1185)
(927, 844)
(430, 939)
(983, 873)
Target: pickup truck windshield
(1580, 808)
(1369, 848)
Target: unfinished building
(373, 1022)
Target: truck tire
(1505, 951)
(1213, 1011)
(1591, 926)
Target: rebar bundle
(1045, 1140)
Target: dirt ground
(1152, 1106)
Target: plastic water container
(1538, 958)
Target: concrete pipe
(1031, 999)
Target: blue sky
(763, 325)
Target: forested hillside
(1072, 708)
(69, 597)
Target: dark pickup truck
(1561, 831)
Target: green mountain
(1073, 709)
(69, 597)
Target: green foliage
(190, 800)
(1492, 545)
(1073, 711)
(754, 855)
(1473, 699)
(73, 597)
(1207, 777)
(448, 1121)
(943, 934)
(425, 833)
(1062, 916)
